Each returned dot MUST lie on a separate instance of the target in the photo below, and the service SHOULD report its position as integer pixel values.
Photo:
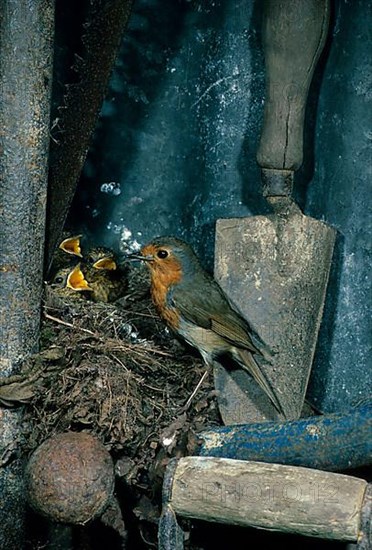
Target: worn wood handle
(294, 33)
(270, 496)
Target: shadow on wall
(173, 124)
(341, 194)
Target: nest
(115, 371)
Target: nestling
(70, 282)
(107, 281)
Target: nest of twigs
(115, 371)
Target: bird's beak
(77, 281)
(72, 246)
(105, 263)
(135, 257)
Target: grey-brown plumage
(194, 305)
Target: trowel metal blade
(275, 270)
(239, 400)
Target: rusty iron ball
(70, 478)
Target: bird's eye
(162, 254)
(58, 280)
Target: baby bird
(98, 257)
(70, 283)
(107, 280)
(102, 258)
(105, 285)
(71, 245)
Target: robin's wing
(211, 310)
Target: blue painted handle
(331, 442)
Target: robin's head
(169, 258)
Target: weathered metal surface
(332, 442)
(275, 270)
(170, 535)
(11, 482)
(341, 192)
(26, 49)
(78, 114)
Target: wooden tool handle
(270, 496)
(294, 33)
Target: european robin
(192, 304)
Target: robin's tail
(248, 363)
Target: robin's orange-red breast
(195, 307)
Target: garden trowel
(275, 267)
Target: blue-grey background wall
(175, 149)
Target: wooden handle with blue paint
(332, 442)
